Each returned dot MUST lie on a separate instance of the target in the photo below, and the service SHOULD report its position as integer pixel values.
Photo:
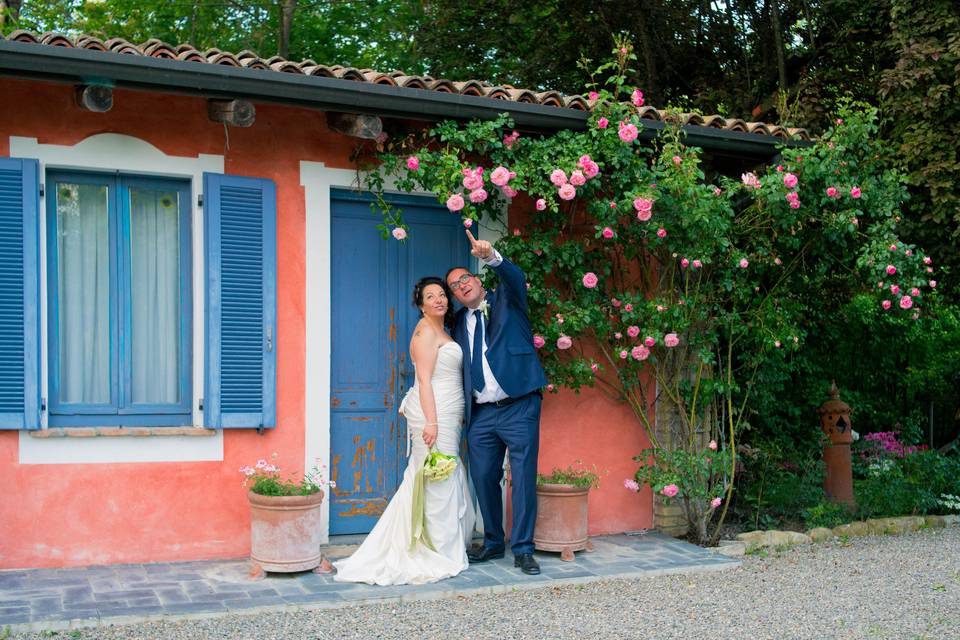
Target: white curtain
(155, 295)
(84, 292)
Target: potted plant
(561, 523)
(285, 533)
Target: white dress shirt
(492, 391)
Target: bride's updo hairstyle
(423, 283)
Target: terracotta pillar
(835, 422)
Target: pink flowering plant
(265, 478)
(664, 285)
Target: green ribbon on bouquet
(418, 532)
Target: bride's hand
(430, 435)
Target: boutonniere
(485, 308)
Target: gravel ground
(897, 587)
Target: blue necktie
(476, 359)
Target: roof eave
(64, 64)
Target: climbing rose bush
(656, 281)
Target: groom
(502, 378)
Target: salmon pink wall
(67, 515)
(596, 430)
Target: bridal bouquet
(439, 466)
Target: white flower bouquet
(439, 466)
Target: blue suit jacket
(510, 351)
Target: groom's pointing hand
(479, 248)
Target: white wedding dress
(385, 556)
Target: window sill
(126, 432)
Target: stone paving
(57, 599)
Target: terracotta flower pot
(285, 532)
(561, 519)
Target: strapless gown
(385, 556)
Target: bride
(398, 551)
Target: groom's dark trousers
(515, 426)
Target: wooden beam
(355, 125)
(98, 99)
(237, 112)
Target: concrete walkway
(57, 599)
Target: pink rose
(628, 132)
(618, 335)
(670, 490)
(472, 182)
(854, 221)
(684, 263)
(789, 180)
(637, 98)
(564, 342)
(509, 191)
(631, 484)
(697, 264)
(793, 195)
(613, 204)
(649, 341)
(541, 204)
(455, 202)
(602, 123)
(914, 292)
(413, 163)
(538, 342)
(615, 302)
(567, 192)
(885, 304)
(744, 263)
(713, 445)
(933, 284)
(794, 204)
(908, 252)
(661, 233)
(628, 307)
(558, 177)
(590, 280)
(501, 176)
(832, 192)
(671, 340)
(623, 354)
(633, 331)
(927, 260)
(467, 222)
(593, 95)
(777, 261)
(779, 168)
(642, 204)
(640, 352)
(929, 269)
(550, 387)
(594, 367)
(716, 502)
(607, 233)
(855, 192)
(399, 233)
(891, 269)
(717, 191)
(677, 159)
(893, 247)
(776, 343)
(577, 179)
(478, 195)
(894, 289)
(750, 180)
(906, 302)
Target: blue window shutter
(19, 294)
(240, 234)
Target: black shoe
(527, 564)
(482, 554)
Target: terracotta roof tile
(248, 59)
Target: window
(119, 300)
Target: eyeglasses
(459, 282)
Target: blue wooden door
(373, 316)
